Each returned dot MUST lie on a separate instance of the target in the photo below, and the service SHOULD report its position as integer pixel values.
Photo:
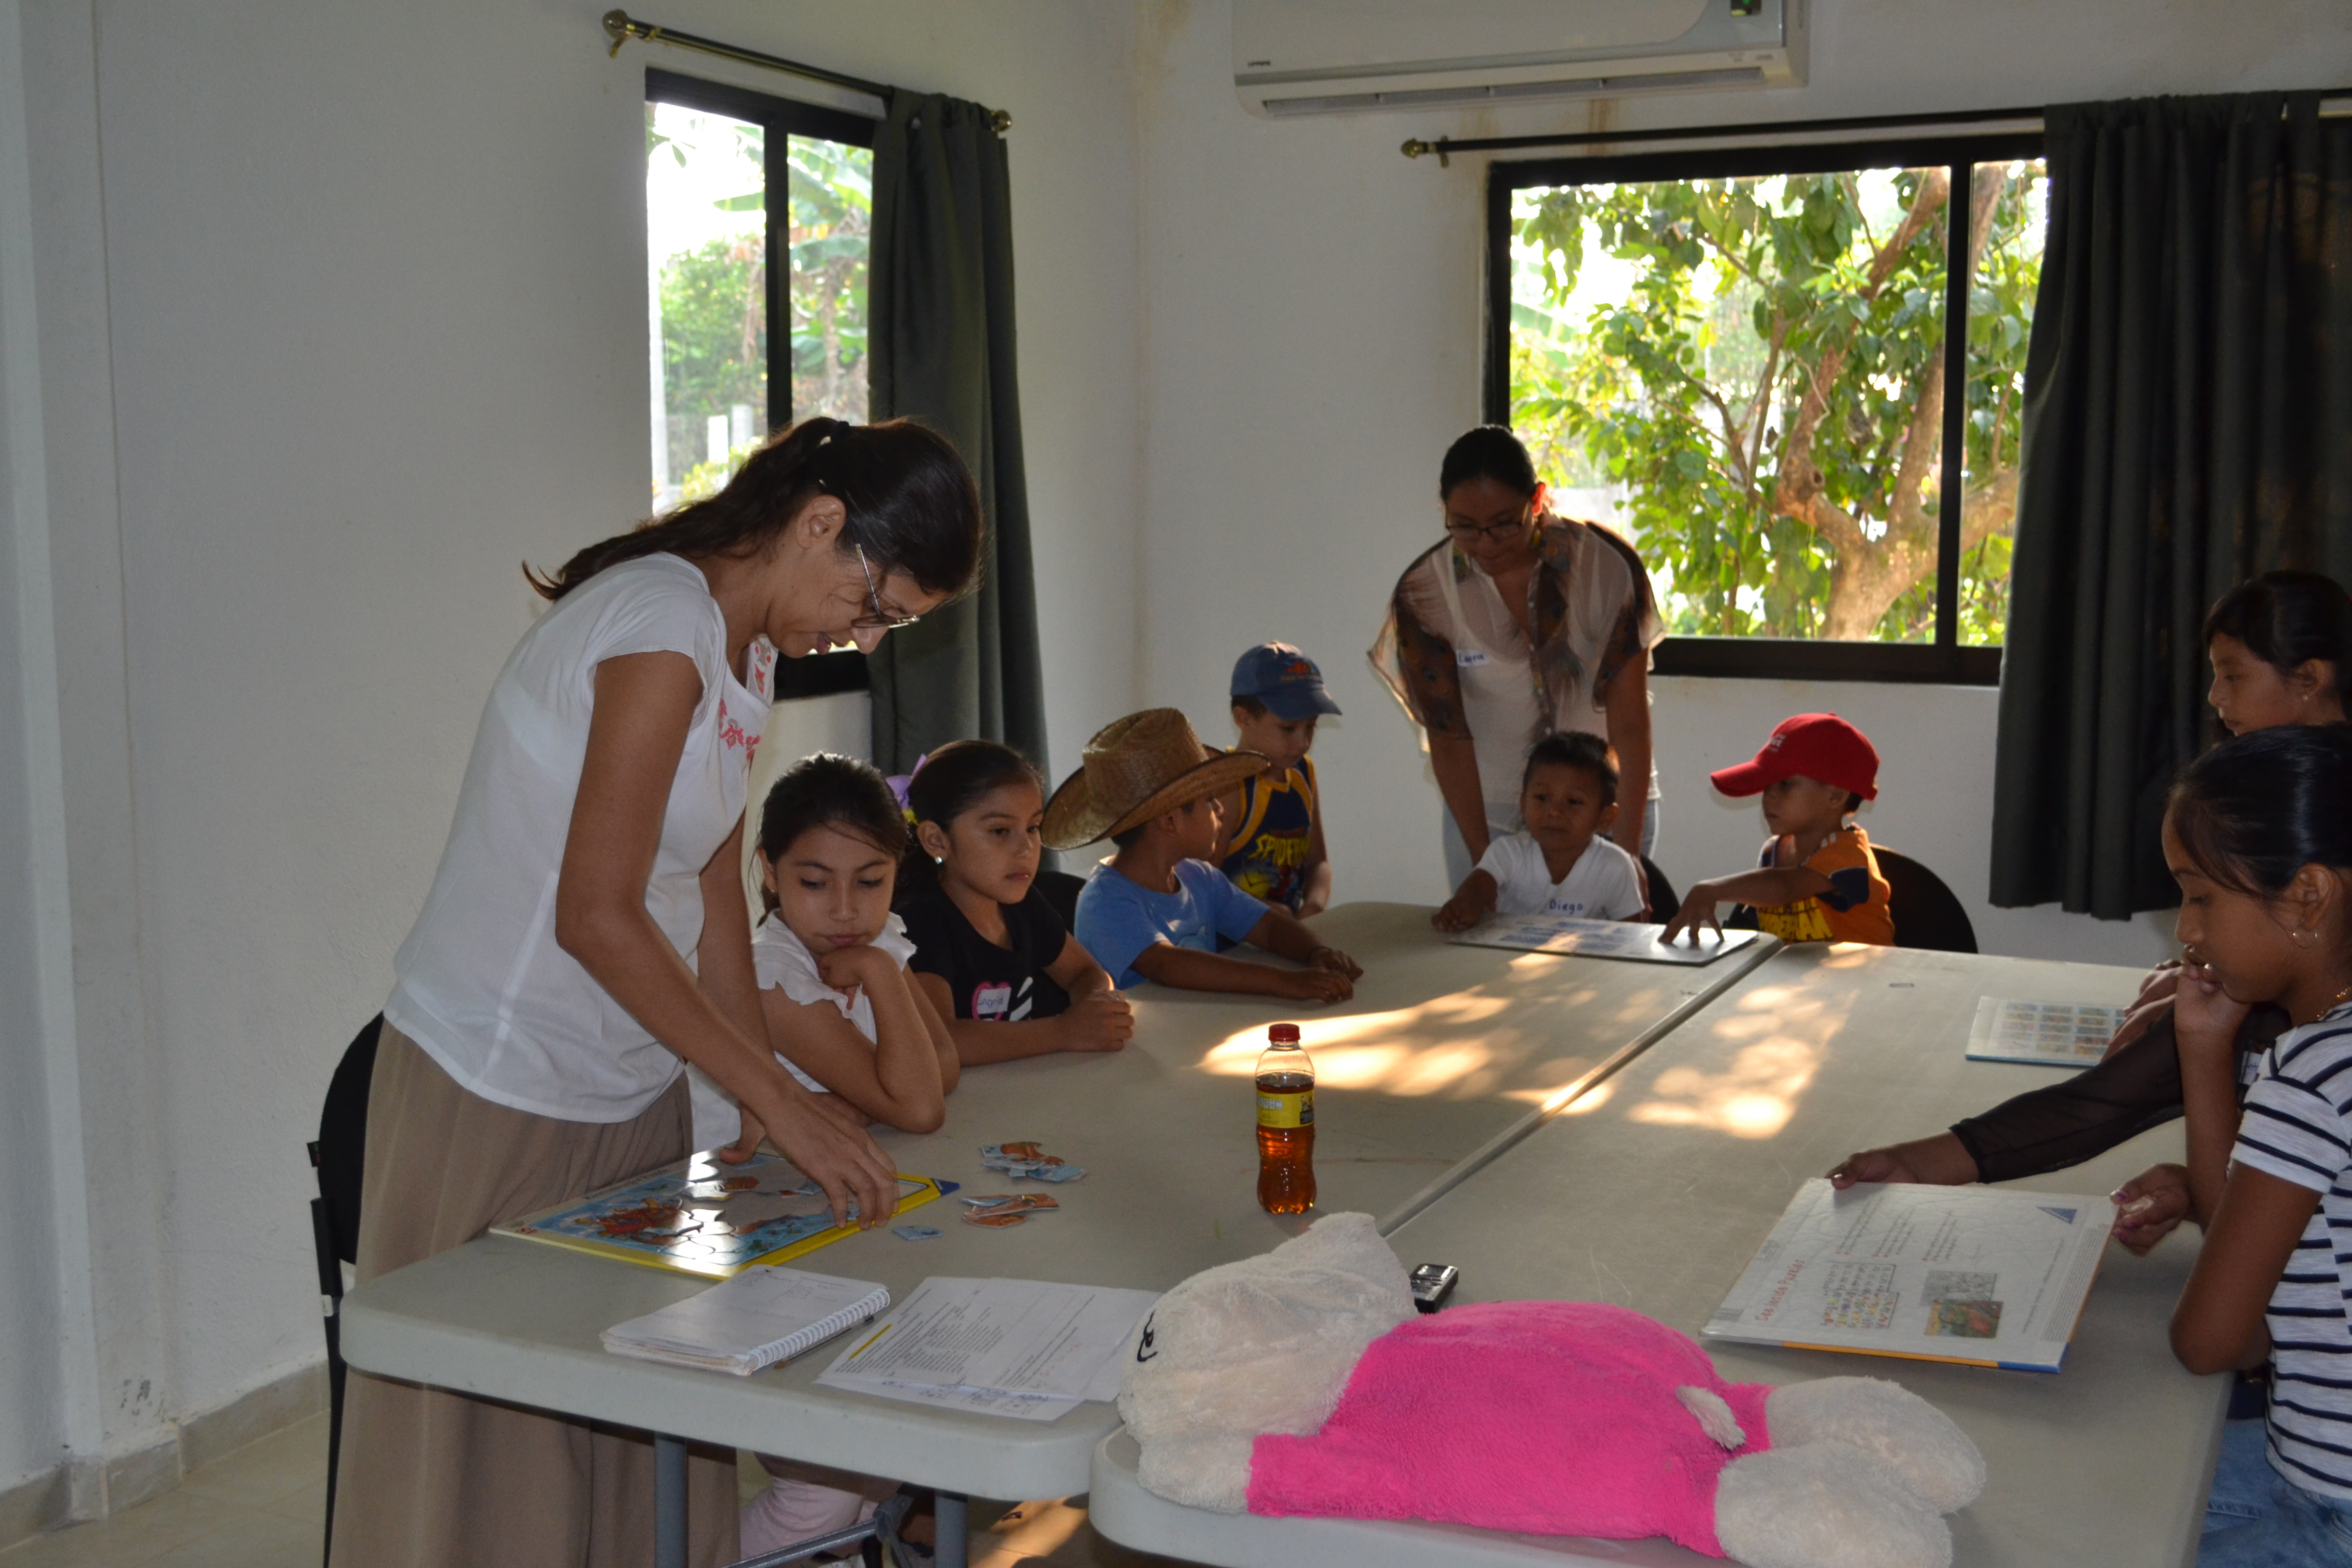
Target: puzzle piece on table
(998, 1210)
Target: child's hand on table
(1313, 985)
(2150, 1207)
(1098, 1021)
(1457, 914)
(1332, 961)
(1698, 909)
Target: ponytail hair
(912, 507)
(829, 789)
(2254, 811)
(951, 781)
(2288, 619)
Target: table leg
(669, 1502)
(949, 1530)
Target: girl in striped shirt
(2259, 835)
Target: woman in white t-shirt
(586, 930)
(1520, 625)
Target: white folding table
(1447, 1056)
(1654, 1190)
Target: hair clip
(901, 783)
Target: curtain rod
(1444, 147)
(620, 27)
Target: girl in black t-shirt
(989, 951)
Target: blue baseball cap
(1285, 679)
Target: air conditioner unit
(1295, 57)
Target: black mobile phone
(1431, 1283)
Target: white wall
(342, 314)
(47, 1371)
(1312, 331)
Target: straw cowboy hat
(1136, 768)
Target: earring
(939, 859)
(2306, 940)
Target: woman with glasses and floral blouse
(1521, 624)
(586, 935)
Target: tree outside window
(707, 180)
(1747, 375)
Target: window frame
(1943, 661)
(818, 674)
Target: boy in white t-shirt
(1562, 863)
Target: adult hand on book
(1941, 1161)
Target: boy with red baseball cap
(1817, 880)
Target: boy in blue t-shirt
(1155, 910)
(1273, 825)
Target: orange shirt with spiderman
(1854, 909)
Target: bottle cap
(1283, 1033)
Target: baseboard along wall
(82, 1489)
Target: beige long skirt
(429, 1480)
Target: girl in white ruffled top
(847, 1022)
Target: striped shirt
(2298, 1127)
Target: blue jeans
(1458, 864)
(2257, 1518)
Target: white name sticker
(1469, 658)
(991, 1001)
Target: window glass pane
(705, 251)
(831, 212)
(2007, 223)
(1745, 377)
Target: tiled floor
(262, 1506)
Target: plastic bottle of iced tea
(1285, 1123)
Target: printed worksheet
(2045, 1034)
(1601, 939)
(999, 1347)
(1994, 1277)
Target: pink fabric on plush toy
(1548, 1417)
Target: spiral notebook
(761, 1317)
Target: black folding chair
(1662, 901)
(1927, 915)
(337, 1157)
(1061, 890)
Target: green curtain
(942, 350)
(2187, 424)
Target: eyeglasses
(881, 620)
(1471, 533)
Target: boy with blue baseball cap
(1273, 842)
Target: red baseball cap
(1813, 745)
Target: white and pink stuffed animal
(1302, 1383)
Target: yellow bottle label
(1286, 1111)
